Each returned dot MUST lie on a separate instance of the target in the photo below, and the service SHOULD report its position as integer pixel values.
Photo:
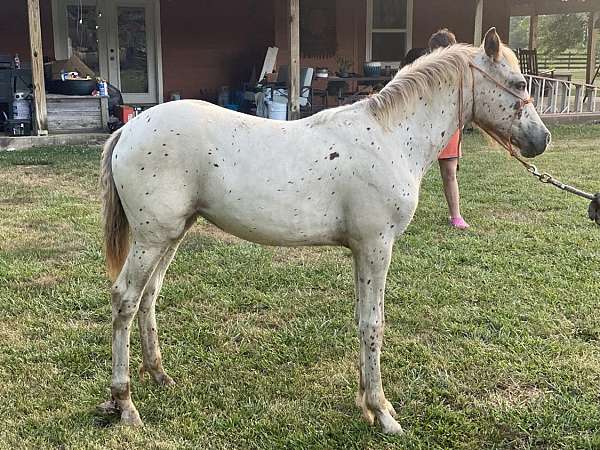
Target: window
(389, 30)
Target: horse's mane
(418, 80)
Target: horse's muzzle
(535, 145)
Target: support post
(478, 30)
(592, 45)
(40, 124)
(294, 83)
(533, 32)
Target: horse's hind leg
(127, 291)
(152, 361)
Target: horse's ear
(491, 44)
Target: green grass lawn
(492, 337)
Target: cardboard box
(73, 64)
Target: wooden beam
(478, 33)
(40, 124)
(294, 86)
(592, 45)
(533, 31)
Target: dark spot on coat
(334, 155)
(216, 165)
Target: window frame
(407, 32)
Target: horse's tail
(116, 226)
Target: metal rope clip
(533, 170)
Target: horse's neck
(433, 122)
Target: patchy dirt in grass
(515, 395)
(207, 229)
(46, 280)
(517, 216)
(10, 335)
(30, 177)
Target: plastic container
(126, 113)
(19, 127)
(103, 88)
(277, 110)
(21, 109)
(372, 69)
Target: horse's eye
(521, 85)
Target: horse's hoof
(390, 426)
(131, 418)
(160, 378)
(109, 407)
(165, 380)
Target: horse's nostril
(548, 138)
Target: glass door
(80, 30)
(132, 50)
(115, 38)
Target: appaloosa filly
(348, 176)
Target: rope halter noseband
(522, 102)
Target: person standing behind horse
(448, 158)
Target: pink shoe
(459, 223)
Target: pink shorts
(453, 149)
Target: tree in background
(556, 33)
(519, 32)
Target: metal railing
(561, 96)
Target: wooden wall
(351, 34)
(459, 17)
(211, 43)
(428, 17)
(14, 29)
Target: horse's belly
(266, 224)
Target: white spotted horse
(349, 176)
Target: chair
(528, 60)
(306, 80)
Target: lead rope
(532, 169)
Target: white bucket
(20, 107)
(277, 110)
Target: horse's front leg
(372, 260)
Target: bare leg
(126, 294)
(373, 260)
(448, 171)
(152, 360)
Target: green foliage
(519, 32)
(492, 336)
(556, 33)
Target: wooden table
(361, 80)
(363, 86)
